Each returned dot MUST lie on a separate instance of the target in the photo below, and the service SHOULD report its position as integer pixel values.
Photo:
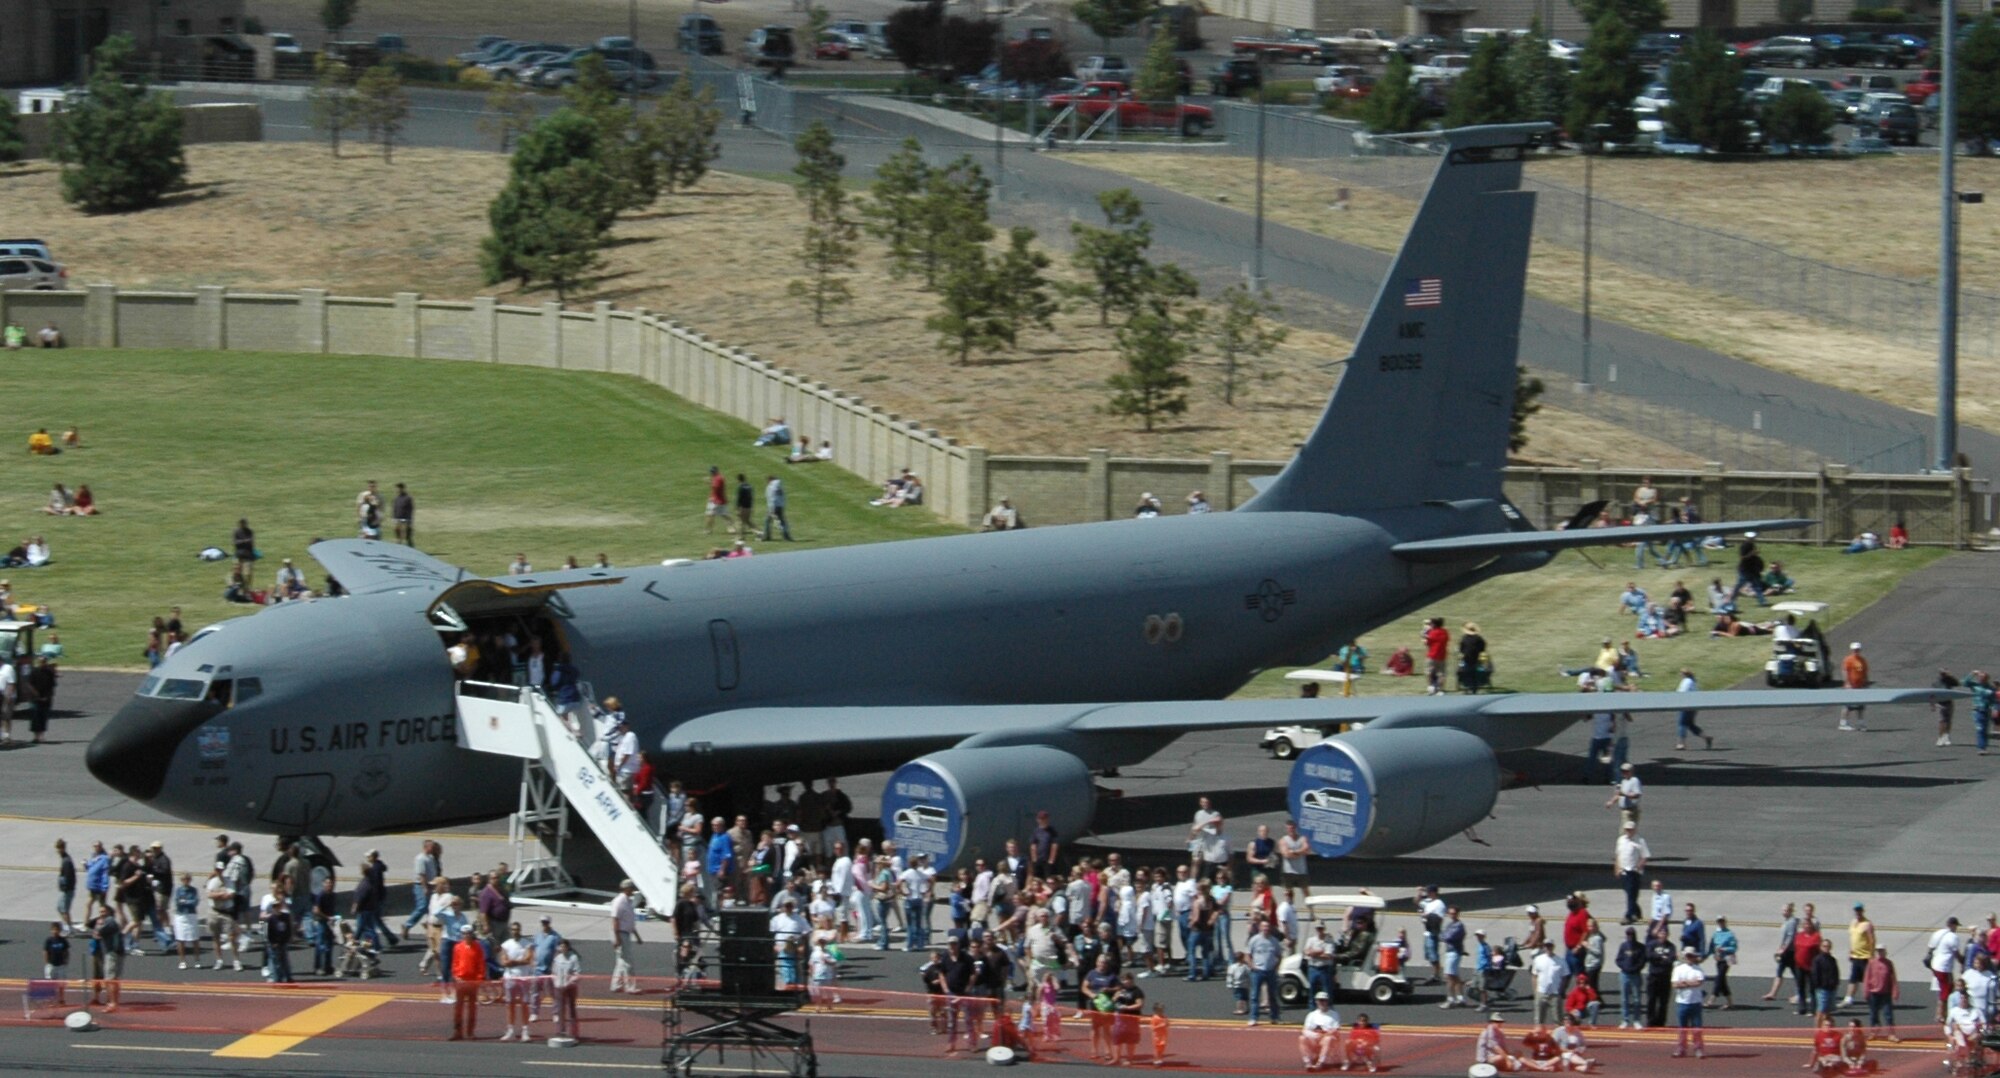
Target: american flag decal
(1423, 292)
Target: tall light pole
(1257, 242)
(1000, 112)
(1947, 388)
(636, 70)
(1597, 133)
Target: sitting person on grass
(1776, 582)
(777, 433)
(1731, 625)
(1400, 663)
(238, 591)
(84, 504)
(1719, 599)
(37, 553)
(61, 502)
(1899, 536)
(41, 444)
(1864, 543)
(72, 437)
(50, 336)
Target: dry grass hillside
(284, 216)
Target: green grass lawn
(178, 445)
(1556, 616)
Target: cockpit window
(218, 691)
(181, 688)
(147, 686)
(248, 689)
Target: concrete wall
(236, 122)
(961, 482)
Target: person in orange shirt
(1854, 673)
(468, 968)
(1826, 1047)
(1364, 1043)
(1158, 1024)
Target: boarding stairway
(561, 779)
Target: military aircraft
(998, 673)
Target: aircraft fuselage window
(218, 691)
(180, 688)
(248, 689)
(147, 686)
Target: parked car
(1859, 50)
(1658, 47)
(1416, 47)
(1871, 83)
(1894, 119)
(1846, 103)
(878, 41)
(1104, 69)
(286, 44)
(1654, 97)
(699, 33)
(1444, 67)
(1232, 77)
(1565, 50)
(391, 44)
(34, 274)
(513, 61)
(854, 32)
(1785, 50)
(1334, 78)
(1094, 99)
(26, 248)
(832, 45)
(1924, 84)
(483, 49)
(770, 46)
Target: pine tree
(383, 105)
(120, 144)
(1152, 383)
(893, 212)
(1110, 18)
(1243, 336)
(1799, 116)
(1642, 16)
(338, 15)
(1486, 92)
(1021, 284)
(680, 134)
(951, 216)
(12, 145)
(972, 314)
(556, 166)
(331, 101)
(1113, 258)
(1602, 92)
(1541, 81)
(627, 157)
(1979, 85)
(1527, 401)
(1160, 73)
(560, 247)
(1394, 106)
(829, 236)
(1708, 105)
(510, 113)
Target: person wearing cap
(1945, 950)
(1003, 518)
(1723, 946)
(1320, 1041)
(1853, 675)
(1492, 1046)
(1197, 504)
(545, 958)
(1688, 980)
(1149, 507)
(368, 895)
(1625, 797)
(624, 935)
(291, 582)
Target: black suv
(1232, 77)
(1658, 47)
(1896, 121)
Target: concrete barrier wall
(961, 482)
(236, 122)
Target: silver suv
(34, 274)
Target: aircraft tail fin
(1423, 411)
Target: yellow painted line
(136, 1048)
(288, 1033)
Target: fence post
(1590, 480)
(209, 334)
(1714, 490)
(409, 322)
(485, 329)
(1097, 485)
(601, 311)
(1222, 481)
(978, 489)
(100, 316)
(1836, 511)
(312, 320)
(1961, 505)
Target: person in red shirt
(1826, 1048)
(1437, 642)
(1364, 1043)
(718, 501)
(1582, 1003)
(1854, 675)
(468, 968)
(1805, 946)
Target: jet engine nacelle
(960, 804)
(1379, 793)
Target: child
(1364, 1043)
(1158, 1024)
(1051, 1008)
(55, 959)
(1238, 980)
(822, 967)
(688, 962)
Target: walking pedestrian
(1266, 951)
(1944, 707)
(1628, 864)
(1944, 950)
(65, 887)
(1854, 675)
(774, 508)
(1981, 687)
(1723, 947)
(718, 501)
(1437, 643)
(1684, 723)
(1825, 978)
(624, 935)
(1878, 984)
(428, 865)
(1788, 930)
(1625, 796)
(1860, 948)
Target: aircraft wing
(368, 565)
(1466, 547)
(1125, 732)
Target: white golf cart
(17, 640)
(1286, 742)
(1801, 662)
(1378, 976)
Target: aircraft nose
(131, 754)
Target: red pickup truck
(1094, 99)
(1922, 85)
(1300, 46)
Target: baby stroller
(1496, 981)
(359, 957)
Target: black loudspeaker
(748, 964)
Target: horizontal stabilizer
(364, 566)
(1470, 547)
